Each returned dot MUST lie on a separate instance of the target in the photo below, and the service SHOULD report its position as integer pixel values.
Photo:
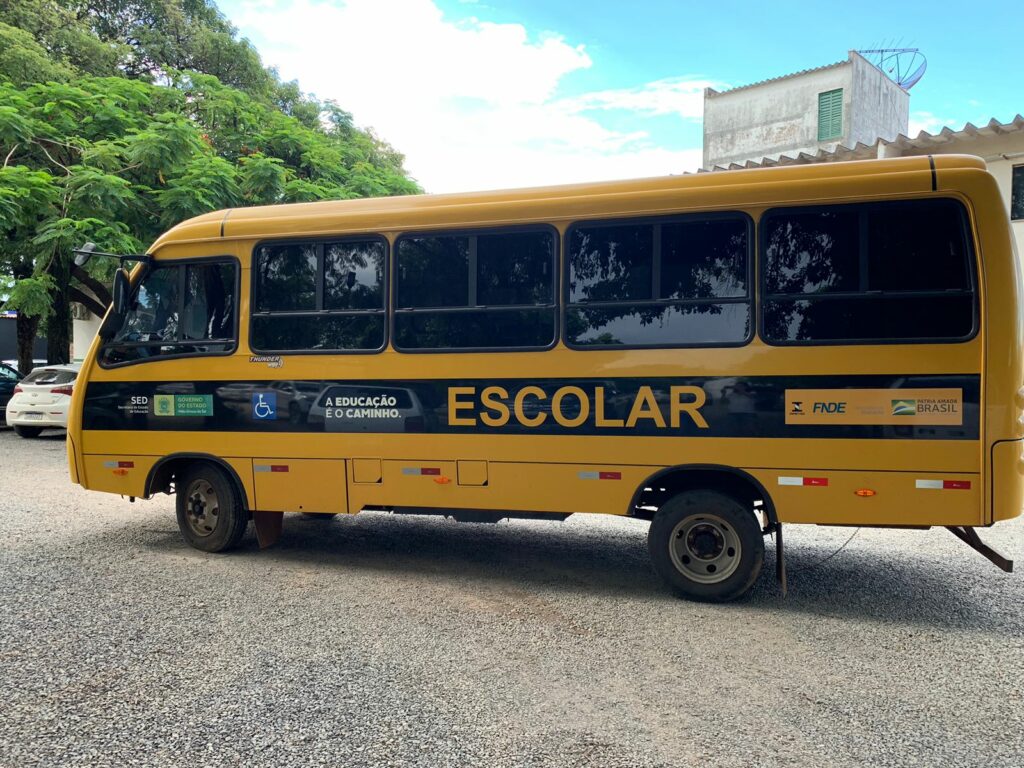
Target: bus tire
(706, 546)
(29, 432)
(211, 515)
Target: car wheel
(27, 431)
(211, 514)
(706, 546)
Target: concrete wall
(880, 109)
(780, 117)
(83, 330)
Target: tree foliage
(120, 118)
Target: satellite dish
(904, 66)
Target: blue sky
(496, 94)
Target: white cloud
(929, 123)
(683, 96)
(472, 104)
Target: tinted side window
(1017, 193)
(178, 309)
(153, 315)
(611, 263)
(319, 296)
(813, 252)
(704, 260)
(675, 282)
(432, 272)
(354, 275)
(285, 277)
(469, 291)
(209, 302)
(898, 271)
(515, 269)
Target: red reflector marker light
(956, 485)
(813, 481)
(944, 485)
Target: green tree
(123, 137)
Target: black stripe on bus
(740, 407)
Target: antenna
(904, 66)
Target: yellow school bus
(719, 354)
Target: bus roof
(509, 207)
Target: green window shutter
(830, 114)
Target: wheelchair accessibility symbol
(264, 405)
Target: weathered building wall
(84, 328)
(879, 109)
(780, 116)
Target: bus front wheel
(706, 545)
(211, 514)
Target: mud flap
(970, 537)
(268, 527)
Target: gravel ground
(405, 641)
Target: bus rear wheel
(211, 514)
(706, 546)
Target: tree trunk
(26, 329)
(99, 290)
(58, 325)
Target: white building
(84, 326)
(816, 110)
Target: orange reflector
(120, 472)
(442, 480)
(864, 492)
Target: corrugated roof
(860, 151)
(714, 93)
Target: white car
(40, 401)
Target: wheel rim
(705, 548)
(202, 508)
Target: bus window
(662, 284)
(209, 312)
(886, 272)
(488, 291)
(326, 296)
(165, 320)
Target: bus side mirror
(118, 306)
(83, 254)
(120, 293)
